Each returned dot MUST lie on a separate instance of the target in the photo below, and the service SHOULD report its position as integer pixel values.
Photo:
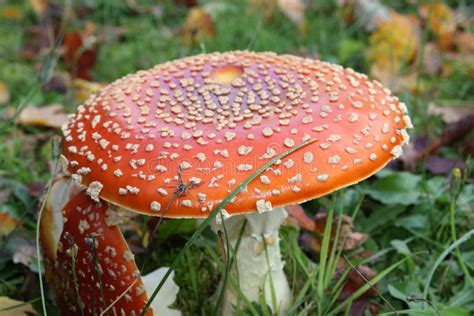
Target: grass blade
(56, 151)
(366, 287)
(323, 259)
(443, 255)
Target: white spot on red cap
(264, 206)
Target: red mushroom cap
(218, 118)
(95, 245)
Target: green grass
(415, 221)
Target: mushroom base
(258, 268)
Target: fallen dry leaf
(187, 3)
(397, 82)
(84, 89)
(441, 21)
(393, 45)
(48, 116)
(39, 6)
(197, 27)
(24, 254)
(453, 133)
(7, 223)
(348, 237)
(469, 148)
(464, 42)
(450, 114)
(80, 51)
(11, 13)
(409, 157)
(298, 214)
(4, 93)
(442, 166)
(11, 307)
(368, 13)
(314, 230)
(356, 279)
(294, 11)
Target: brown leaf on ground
(187, 3)
(294, 11)
(11, 13)
(367, 13)
(80, 51)
(441, 21)
(197, 27)
(348, 237)
(450, 114)
(48, 116)
(392, 46)
(464, 42)
(83, 89)
(297, 213)
(397, 82)
(24, 254)
(4, 93)
(356, 279)
(410, 157)
(13, 307)
(469, 148)
(314, 230)
(442, 166)
(8, 223)
(39, 6)
(453, 133)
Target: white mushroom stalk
(258, 265)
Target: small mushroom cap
(217, 118)
(95, 243)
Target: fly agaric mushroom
(88, 262)
(174, 140)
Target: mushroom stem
(258, 267)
